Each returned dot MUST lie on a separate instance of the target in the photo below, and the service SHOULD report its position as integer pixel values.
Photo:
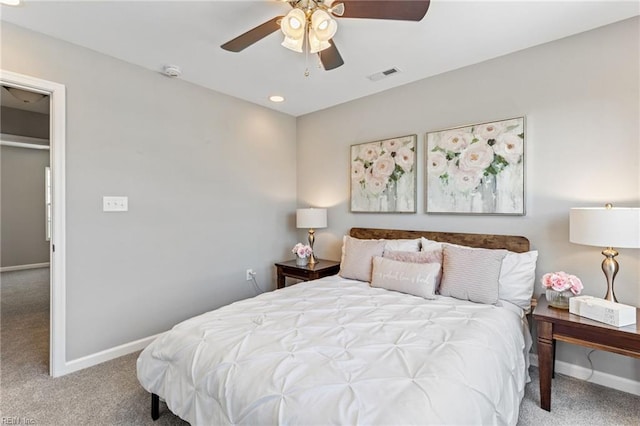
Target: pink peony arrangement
(561, 281)
(301, 250)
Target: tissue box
(611, 313)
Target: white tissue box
(611, 313)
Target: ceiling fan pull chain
(306, 58)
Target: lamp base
(610, 268)
(312, 259)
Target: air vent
(384, 74)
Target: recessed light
(10, 2)
(276, 98)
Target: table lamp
(606, 227)
(312, 219)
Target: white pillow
(402, 245)
(389, 245)
(418, 279)
(357, 257)
(428, 245)
(517, 274)
(517, 278)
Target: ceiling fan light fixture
(323, 25)
(293, 24)
(315, 44)
(293, 44)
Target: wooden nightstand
(558, 324)
(322, 268)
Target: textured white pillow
(471, 273)
(357, 256)
(517, 278)
(418, 279)
(402, 245)
(428, 245)
(517, 273)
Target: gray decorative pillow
(358, 257)
(471, 273)
(418, 279)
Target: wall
(24, 123)
(580, 96)
(23, 206)
(22, 191)
(211, 182)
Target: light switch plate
(115, 204)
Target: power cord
(590, 364)
(255, 284)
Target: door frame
(57, 245)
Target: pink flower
(561, 281)
(301, 250)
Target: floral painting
(477, 169)
(383, 176)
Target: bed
(341, 350)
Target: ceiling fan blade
(401, 10)
(330, 57)
(256, 34)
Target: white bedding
(336, 351)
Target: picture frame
(476, 169)
(383, 176)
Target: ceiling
(10, 101)
(452, 35)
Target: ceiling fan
(312, 21)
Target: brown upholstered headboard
(510, 242)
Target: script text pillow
(418, 279)
(432, 256)
(471, 273)
(357, 256)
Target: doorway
(56, 216)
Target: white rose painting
(477, 169)
(383, 176)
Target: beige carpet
(109, 394)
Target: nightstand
(558, 324)
(322, 268)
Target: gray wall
(580, 96)
(22, 208)
(24, 123)
(211, 182)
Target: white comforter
(336, 351)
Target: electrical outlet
(250, 274)
(115, 204)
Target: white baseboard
(598, 377)
(23, 267)
(107, 355)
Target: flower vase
(391, 192)
(488, 193)
(559, 299)
(302, 261)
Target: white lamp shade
(311, 218)
(293, 25)
(316, 45)
(323, 25)
(614, 227)
(293, 44)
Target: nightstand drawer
(322, 268)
